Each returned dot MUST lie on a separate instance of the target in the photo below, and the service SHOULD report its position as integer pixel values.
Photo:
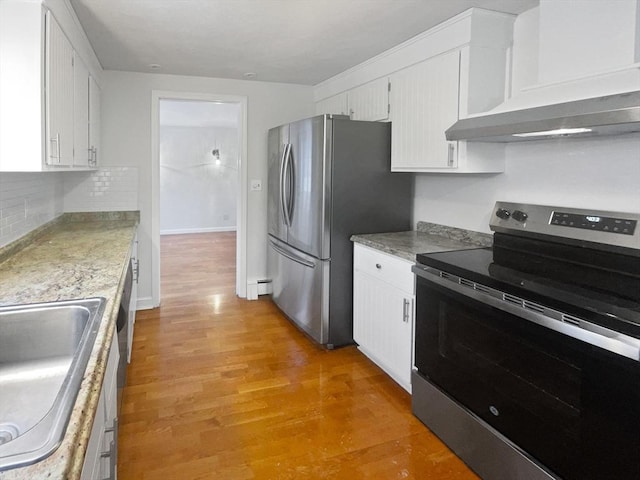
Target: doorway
(198, 172)
(199, 151)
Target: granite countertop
(427, 238)
(74, 256)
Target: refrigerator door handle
(283, 163)
(290, 180)
(291, 256)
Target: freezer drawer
(300, 288)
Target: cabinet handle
(112, 453)
(452, 150)
(378, 266)
(55, 140)
(406, 305)
(136, 270)
(93, 156)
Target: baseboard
(182, 231)
(145, 303)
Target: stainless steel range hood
(609, 115)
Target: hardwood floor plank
(224, 388)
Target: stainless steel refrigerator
(329, 178)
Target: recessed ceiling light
(154, 66)
(249, 75)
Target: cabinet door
(335, 105)
(424, 103)
(81, 112)
(94, 121)
(133, 300)
(109, 392)
(370, 101)
(100, 459)
(59, 95)
(382, 325)
(92, 467)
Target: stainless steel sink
(44, 350)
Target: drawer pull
(112, 453)
(378, 266)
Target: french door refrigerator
(329, 178)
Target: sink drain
(8, 432)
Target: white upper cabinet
(365, 102)
(21, 84)
(427, 98)
(81, 113)
(336, 105)
(59, 95)
(455, 69)
(370, 101)
(94, 122)
(44, 89)
(424, 100)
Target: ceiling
(291, 41)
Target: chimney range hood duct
(609, 115)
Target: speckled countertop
(427, 238)
(75, 256)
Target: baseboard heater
(258, 287)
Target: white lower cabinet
(133, 299)
(383, 311)
(100, 461)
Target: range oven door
(571, 406)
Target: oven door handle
(564, 324)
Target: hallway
(224, 388)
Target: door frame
(241, 232)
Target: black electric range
(527, 354)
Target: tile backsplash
(28, 200)
(105, 189)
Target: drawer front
(385, 267)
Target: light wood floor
(224, 388)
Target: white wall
(594, 173)
(197, 191)
(126, 140)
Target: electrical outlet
(256, 185)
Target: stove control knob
(503, 214)
(520, 216)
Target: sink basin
(44, 350)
